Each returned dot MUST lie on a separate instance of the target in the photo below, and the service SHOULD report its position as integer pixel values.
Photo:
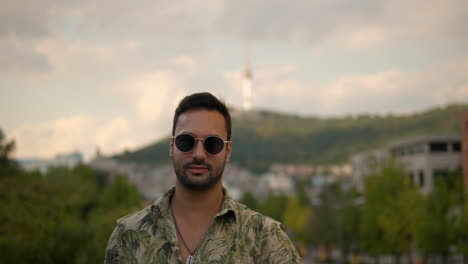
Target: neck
(197, 202)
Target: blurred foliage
(63, 216)
(442, 219)
(462, 244)
(391, 217)
(274, 206)
(249, 200)
(7, 165)
(262, 138)
(391, 213)
(296, 216)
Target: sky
(77, 75)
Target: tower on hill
(247, 84)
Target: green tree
(120, 193)
(274, 206)
(64, 216)
(462, 244)
(296, 216)
(8, 167)
(324, 227)
(6, 148)
(350, 218)
(249, 200)
(441, 226)
(391, 212)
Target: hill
(264, 137)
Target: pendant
(189, 260)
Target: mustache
(197, 162)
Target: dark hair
(202, 101)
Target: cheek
(180, 158)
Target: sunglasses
(212, 144)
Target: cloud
(152, 97)
(162, 19)
(190, 64)
(64, 134)
(345, 23)
(25, 18)
(18, 57)
(22, 25)
(159, 29)
(75, 57)
(153, 94)
(107, 19)
(114, 134)
(34, 32)
(76, 132)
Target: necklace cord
(180, 234)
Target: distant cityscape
(424, 157)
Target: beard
(192, 183)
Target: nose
(199, 151)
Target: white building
(69, 160)
(424, 157)
(275, 183)
(364, 163)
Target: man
(197, 221)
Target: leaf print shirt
(237, 235)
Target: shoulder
(130, 221)
(148, 215)
(247, 216)
(267, 237)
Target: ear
(171, 148)
(228, 151)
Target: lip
(197, 169)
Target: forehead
(201, 122)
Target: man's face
(196, 169)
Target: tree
(442, 226)
(463, 241)
(249, 200)
(120, 193)
(325, 223)
(350, 215)
(64, 216)
(274, 206)
(391, 212)
(7, 166)
(296, 216)
(6, 148)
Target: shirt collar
(228, 205)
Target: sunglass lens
(184, 142)
(213, 145)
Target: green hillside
(262, 138)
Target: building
(364, 163)
(424, 157)
(69, 160)
(275, 183)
